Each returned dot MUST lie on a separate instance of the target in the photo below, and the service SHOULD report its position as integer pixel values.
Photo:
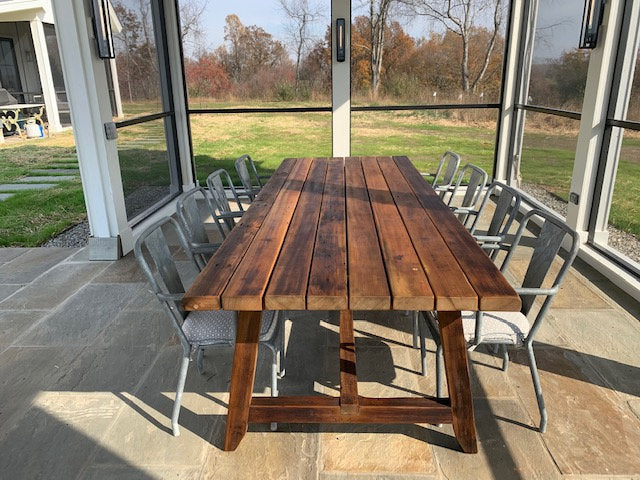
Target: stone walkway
(88, 366)
(62, 170)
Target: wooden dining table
(350, 234)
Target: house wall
(20, 33)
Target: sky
(558, 22)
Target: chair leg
(274, 380)
(281, 351)
(505, 358)
(536, 386)
(423, 348)
(439, 369)
(416, 333)
(200, 361)
(182, 377)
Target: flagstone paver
(17, 187)
(55, 171)
(5, 196)
(48, 178)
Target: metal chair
(220, 201)
(452, 162)
(201, 329)
(502, 329)
(188, 213)
(477, 180)
(507, 207)
(249, 188)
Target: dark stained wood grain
(328, 279)
(242, 377)
(288, 285)
(450, 286)
(348, 374)
(368, 286)
(454, 349)
(246, 287)
(205, 292)
(494, 291)
(409, 286)
(319, 409)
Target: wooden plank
(242, 376)
(248, 283)
(450, 286)
(318, 409)
(348, 375)
(454, 349)
(205, 292)
(288, 285)
(494, 292)
(409, 286)
(328, 278)
(368, 286)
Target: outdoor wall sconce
(591, 21)
(340, 40)
(102, 28)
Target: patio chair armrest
(231, 215)
(444, 188)
(204, 247)
(468, 211)
(488, 238)
(170, 297)
(536, 291)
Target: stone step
(55, 171)
(48, 178)
(16, 187)
(4, 196)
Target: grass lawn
(31, 218)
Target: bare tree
(459, 17)
(378, 17)
(191, 12)
(301, 15)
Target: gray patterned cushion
(202, 327)
(497, 327)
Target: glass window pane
(425, 135)
(624, 217)
(548, 153)
(422, 59)
(559, 68)
(275, 54)
(136, 58)
(144, 166)
(219, 139)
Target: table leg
(242, 377)
(457, 370)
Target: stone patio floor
(88, 367)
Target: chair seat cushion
(219, 326)
(497, 327)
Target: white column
(511, 90)
(180, 106)
(627, 71)
(341, 81)
(88, 95)
(46, 77)
(594, 115)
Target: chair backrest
(165, 278)
(216, 190)
(452, 162)
(190, 219)
(476, 181)
(507, 207)
(243, 166)
(553, 232)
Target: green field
(29, 219)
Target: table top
(356, 233)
